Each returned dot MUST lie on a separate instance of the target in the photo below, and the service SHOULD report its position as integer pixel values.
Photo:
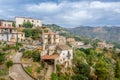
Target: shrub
(39, 69)
(9, 63)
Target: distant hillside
(65, 32)
(56, 28)
(111, 34)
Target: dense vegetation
(33, 33)
(92, 64)
(32, 54)
(27, 24)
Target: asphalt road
(16, 71)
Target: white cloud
(42, 7)
(76, 13)
(64, 12)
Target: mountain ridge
(111, 34)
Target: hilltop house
(6, 23)
(20, 20)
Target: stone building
(55, 52)
(20, 20)
(6, 23)
(9, 33)
(62, 40)
(50, 38)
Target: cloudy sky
(66, 13)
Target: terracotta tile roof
(6, 27)
(50, 56)
(64, 47)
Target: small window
(24, 20)
(21, 35)
(9, 24)
(37, 21)
(32, 20)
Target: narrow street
(16, 71)
(49, 71)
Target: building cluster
(55, 51)
(11, 33)
(77, 44)
(103, 44)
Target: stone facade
(19, 21)
(10, 34)
(50, 38)
(6, 23)
(62, 40)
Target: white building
(20, 20)
(6, 23)
(62, 56)
(65, 55)
(11, 34)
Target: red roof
(6, 27)
(50, 56)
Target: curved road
(16, 71)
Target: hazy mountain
(111, 34)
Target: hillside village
(34, 51)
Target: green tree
(2, 57)
(28, 32)
(13, 24)
(81, 71)
(104, 71)
(9, 63)
(79, 56)
(36, 33)
(79, 77)
(36, 56)
(27, 24)
(117, 69)
(92, 57)
(54, 76)
(27, 54)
